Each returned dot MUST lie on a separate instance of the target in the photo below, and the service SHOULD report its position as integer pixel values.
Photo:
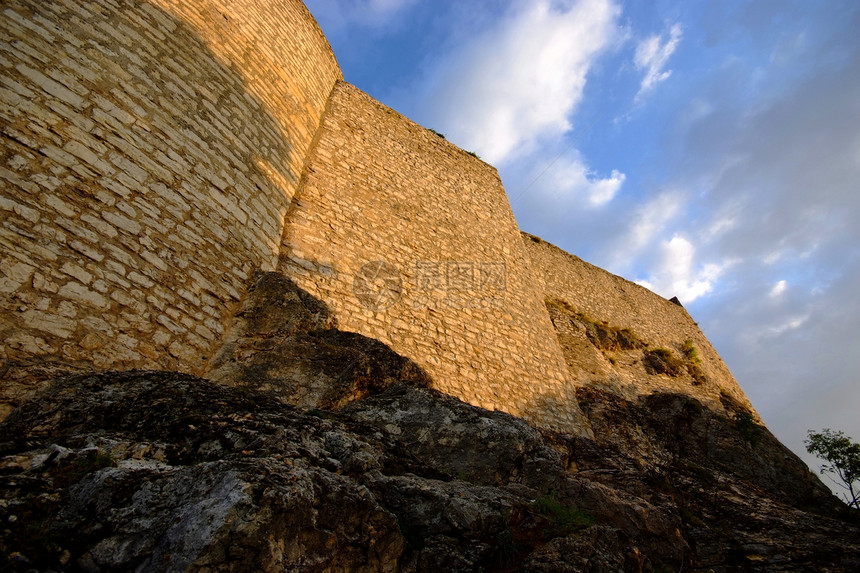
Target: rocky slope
(156, 471)
(159, 471)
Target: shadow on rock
(165, 472)
(285, 340)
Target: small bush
(602, 335)
(563, 519)
(662, 361)
(697, 374)
(508, 549)
(689, 517)
(322, 414)
(690, 351)
(75, 469)
(442, 135)
(747, 427)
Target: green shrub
(602, 335)
(690, 351)
(842, 455)
(662, 361)
(73, 470)
(322, 414)
(563, 519)
(508, 549)
(689, 517)
(697, 373)
(747, 427)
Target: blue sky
(709, 150)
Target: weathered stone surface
(383, 194)
(170, 473)
(483, 447)
(744, 499)
(621, 337)
(285, 340)
(148, 147)
(167, 472)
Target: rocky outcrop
(745, 500)
(285, 340)
(158, 471)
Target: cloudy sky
(707, 150)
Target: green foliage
(602, 335)
(697, 374)
(322, 414)
(843, 460)
(508, 549)
(689, 517)
(690, 351)
(747, 427)
(563, 519)
(556, 303)
(74, 470)
(442, 135)
(662, 361)
(473, 154)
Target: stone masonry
(384, 195)
(149, 153)
(156, 153)
(657, 322)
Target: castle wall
(617, 302)
(410, 240)
(156, 153)
(150, 150)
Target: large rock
(285, 340)
(157, 471)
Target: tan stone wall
(155, 153)
(149, 153)
(447, 284)
(617, 302)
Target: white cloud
(575, 181)
(719, 226)
(652, 55)
(792, 323)
(653, 217)
(773, 257)
(522, 79)
(676, 274)
(778, 289)
(635, 240)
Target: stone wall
(155, 154)
(410, 240)
(150, 150)
(616, 303)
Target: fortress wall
(149, 153)
(608, 298)
(447, 284)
